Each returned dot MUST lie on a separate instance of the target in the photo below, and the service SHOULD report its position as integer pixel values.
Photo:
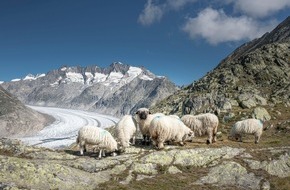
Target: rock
(203, 156)
(231, 173)
(280, 167)
(173, 170)
(261, 113)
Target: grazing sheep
(202, 124)
(168, 128)
(247, 126)
(126, 130)
(96, 136)
(143, 118)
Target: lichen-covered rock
(231, 173)
(43, 175)
(204, 156)
(278, 167)
(261, 113)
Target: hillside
(17, 120)
(250, 82)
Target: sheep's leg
(144, 140)
(241, 140)
(104, 153)
(160, 145)
(100, 153)
(214, 135)
(257, 138)
(133, 140)
(209, 139)
(81, 151)
(147, 140)
(82, 148)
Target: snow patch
(145, 77)
(63, 69)
(32, 77)
(74, 77)
(15, 80)
(1, 82)
(99, 77)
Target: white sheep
(96, 136)
(144, 118)
(247, 126)
(126, 130)
(168, 128)
(202, 124)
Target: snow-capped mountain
(118, 89)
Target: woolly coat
(126, 130)
(168, 128)
(202, 124)
(247, 126)
(96, 136)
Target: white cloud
(153, 13)
(260, 8)
(150, 14)
(216, 27)
(178, 4)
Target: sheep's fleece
(168, 128)
(202, 124)
(247, 126)
(96, 136)
(126, 130)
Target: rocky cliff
(255, 75)
(17, 120)
(117, 89)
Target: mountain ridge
(93, 88)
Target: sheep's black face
(143, 115)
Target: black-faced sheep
(202, 124)
(144, 118)
(168, 128)
(96, 136)
(247, 126)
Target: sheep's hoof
(207, 142)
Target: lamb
(143, 118)
(202, 124)
(96, 136)
(168, 128)
(126, 130)
(247, 126)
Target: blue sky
(179, 39)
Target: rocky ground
(224, 165)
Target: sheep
(202, 124)
(143, 118)
(126, 130)
(168, 128)
(96, 136)
(247, 126)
